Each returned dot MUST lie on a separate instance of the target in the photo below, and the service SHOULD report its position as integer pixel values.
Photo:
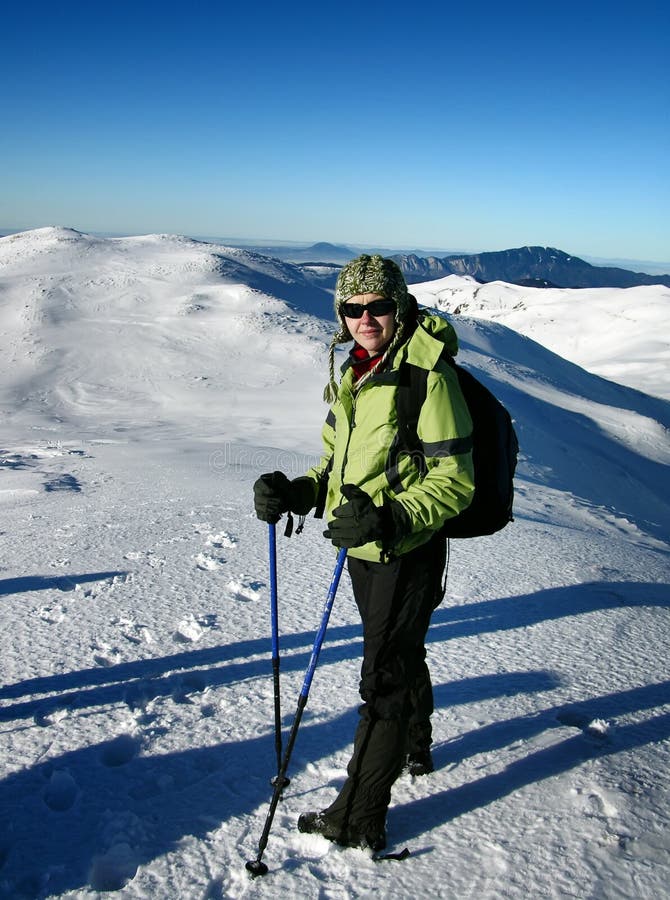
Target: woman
(387, 510)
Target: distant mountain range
(535, 266)
(528, 266)
(321, 252)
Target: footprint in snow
(245, 590)
(600, 729)
(92, 590)
(61, 791)
(208, 563)
(104, 655)
(134, 632)
(112, 870)
(118, 861)
(120, 750)
(51, 717)
(598, 806)
(191, 629)
(104, 661)
(52, 614)
(222, 540)
(192, 683)
(149, 557)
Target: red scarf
(361, 362)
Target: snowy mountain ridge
(159, 320)
(160, 254)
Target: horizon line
(269, 243)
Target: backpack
(494, 451)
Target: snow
(619, 334)
(145, 383)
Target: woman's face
(371, 332)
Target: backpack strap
(411, 395)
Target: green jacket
(361, 431)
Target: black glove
(359, 521)
(274, 494)
(271, 496)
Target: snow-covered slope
(621, 334)
(156, 328)
(145, 385)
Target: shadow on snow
(136, 683)
(26, 583)
(92, 816)
(125, 809)
(412, 819)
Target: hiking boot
(318, 823)
(420, 763)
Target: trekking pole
(256, 866)
(274, 616)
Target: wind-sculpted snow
(143, 391)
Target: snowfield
(619, 334)
(145, 384)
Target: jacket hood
(433, 334)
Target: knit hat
(368, 275)
(371, 275)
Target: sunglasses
(376, 308)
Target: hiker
(387, 511)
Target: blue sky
(475, 128)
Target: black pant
(395, 600)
